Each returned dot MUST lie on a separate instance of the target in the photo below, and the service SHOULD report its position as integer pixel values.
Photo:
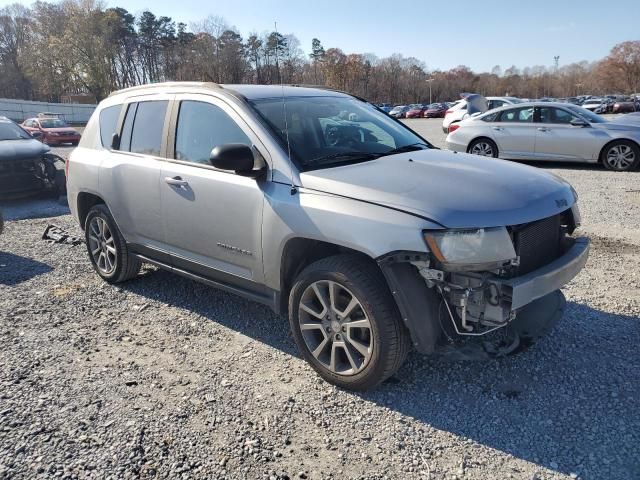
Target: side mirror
(235, 156)
(115, 142)
(578, 122)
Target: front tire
(107, 248)
(346, 323)
(483, 147)
(620, 156)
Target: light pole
(429, 80)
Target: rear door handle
(543, 129)
(176, 181)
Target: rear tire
(620, 156)
(346, 323)
(484, 147)
(107, 248)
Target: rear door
(212, 218)
(130, 175)
(514, 133)
(557, 139)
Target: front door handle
(543, 129)
(176, 181)
(499, 129)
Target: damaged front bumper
(434, 303)
(527, 288)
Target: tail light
(66, 168)
(453, 127)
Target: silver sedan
(549, 131)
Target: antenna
(294, 190)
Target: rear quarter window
(108, 124)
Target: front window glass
(327, 131)
(11, 131)
(587, 115)
(52, 123)
(201, 128)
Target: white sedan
(548, 131)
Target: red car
(436, 110)
(624, 107)
(51, 130)
(416, 111)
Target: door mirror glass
(579, 122)
(233, 156)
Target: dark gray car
(26, 165)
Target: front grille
(538, 243)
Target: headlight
(476, 249)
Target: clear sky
(442, 33)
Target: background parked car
(399, 111)
(416, 111)
(436, 110)
(623, 107)
(26, 165)
(52, 130)
(459, 111)
(549, 131)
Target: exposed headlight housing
(471, 250)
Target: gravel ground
(163, 377)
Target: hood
(61, 130)
(19, 149)
(628, 119)
(619, 126)
(456, 190)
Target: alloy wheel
(335, 327)
(620, 157)
(482, 148)
(102, 246)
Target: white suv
(458, 110)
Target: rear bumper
(539, 283)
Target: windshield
(11, 131)
(398, 108)
(52, 123)
(326, 131)
(586, 114)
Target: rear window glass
(108, 123)
(146, 137)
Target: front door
(212, 218)
(557, 139)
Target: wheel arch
(480, 137)
(298, 253)
(85, 202)
(610, 142)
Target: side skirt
(249, 290)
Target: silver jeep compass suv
(317, 204)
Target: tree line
(51, 50)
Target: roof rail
(165, 85)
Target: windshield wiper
(405, 148)
(342, 157)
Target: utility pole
(556, 60)
(429, 80)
